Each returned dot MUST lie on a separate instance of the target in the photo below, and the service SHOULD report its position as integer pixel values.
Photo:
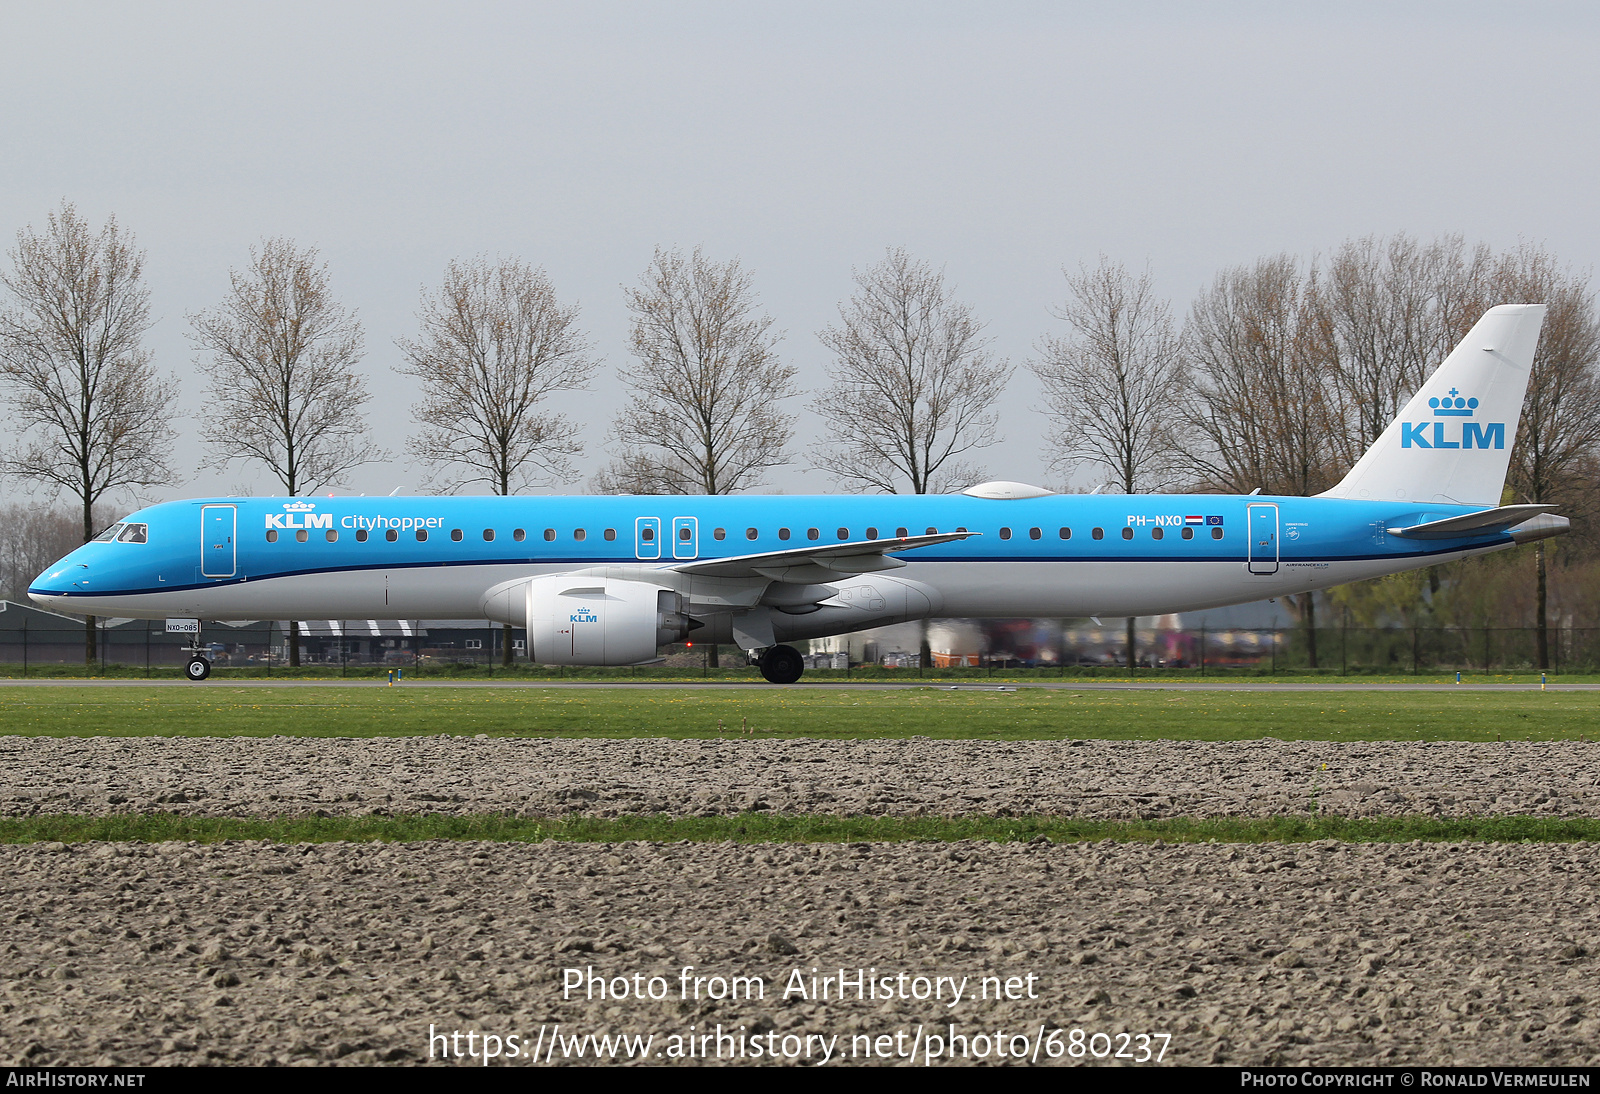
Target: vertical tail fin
(1453, 440)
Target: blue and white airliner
(608, 580)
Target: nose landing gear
(198, 666)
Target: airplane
(608, 580)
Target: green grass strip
(218, 710)
(789, 828)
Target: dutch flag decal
(1194, 520)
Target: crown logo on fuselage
(1453, 406)
(307, 506)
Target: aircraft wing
(818, 562)
(1487, 522)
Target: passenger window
(902, 532)
(1034, 533)
(272, 535)
(1188, 533)
(685, 534)
(1066, 533)
(844, 533)
(422, 535)
(519, 535)
(933, 531)
(783, 533)
(1098, 533)
(361, 535)
(1127, 533)
(812, 533)
(720, 533)
(579, 534)
(749, 533)
(455, 535)
(872, 533)
(488, 535)
(331, 535)
(300, 536)
(1156, 533)
(391, 535)
(1216, 533)
(1005, 533)
(611, 534)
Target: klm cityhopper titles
(608, 580)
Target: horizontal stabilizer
(859, 557)
(1487, 523)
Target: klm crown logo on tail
(1470, 435)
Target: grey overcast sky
(1000, 141)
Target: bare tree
(1558, 437)
(495, 344)
(1112, 384)
(1259, 416)
(281, 355)
(912, 383)
(92, 411)
(703, 417)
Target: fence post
(270, 624)
(1414, 651)
(1202, 650)
(24, 645)
(1275, 635)
(344, 649)
(147, 649)
(1486, 651)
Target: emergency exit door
(647, 537)
(1262, 521)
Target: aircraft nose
(58, 582)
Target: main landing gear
(781, 664)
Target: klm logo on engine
(583, 615)
(299, 515)
(1469, 435)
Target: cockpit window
(110, 533)
(133, 533)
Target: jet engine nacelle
(578, 620)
